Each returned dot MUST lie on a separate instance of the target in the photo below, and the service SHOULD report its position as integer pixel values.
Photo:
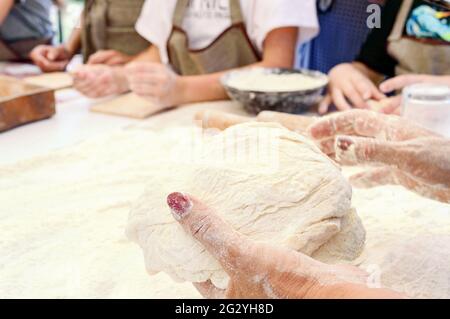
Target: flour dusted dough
(128, 105)
(55, 80)
(269, 183)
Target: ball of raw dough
(269, 183)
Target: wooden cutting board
(128, 105)
(22, 103)
(55, 81)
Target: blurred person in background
(24, 24)
(343, 30)
(194, 42)
(414, 38)
(105, 35)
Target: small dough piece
(55, 81)
(271, 184)
(344, 245)
(128, 105)
(11, 88)
(379, 106)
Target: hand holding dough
(263, 271)
(389, 105)
(156, 82)
(349, 87)
(365, 124)
(98, 80)
(270, 184)
(412, 156)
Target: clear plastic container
(429, 106)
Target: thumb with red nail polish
(180, 204)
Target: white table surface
(72, 123)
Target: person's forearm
(202, 88)
(279, 52)
(149, 55)
(437, 79)
(73, 45)
(5, 8)
(446, 80)
(355, 291)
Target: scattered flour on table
(63, 216)
(408, 241)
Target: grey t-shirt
(28, 19)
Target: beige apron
(232, 49)
(110, 25)
(423, 56)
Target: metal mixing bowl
(294, 102)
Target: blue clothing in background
(343, 30)
(427, 22)
(28, 19)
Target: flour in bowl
(258, 80)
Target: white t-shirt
(205, 20)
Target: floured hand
(260, 270)
(349, 88)
(97, 81)
(109, 57)
(392, 105)
(401, 81)
(156, 82)
(389, 105)
(49, 58)
(410, 155)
